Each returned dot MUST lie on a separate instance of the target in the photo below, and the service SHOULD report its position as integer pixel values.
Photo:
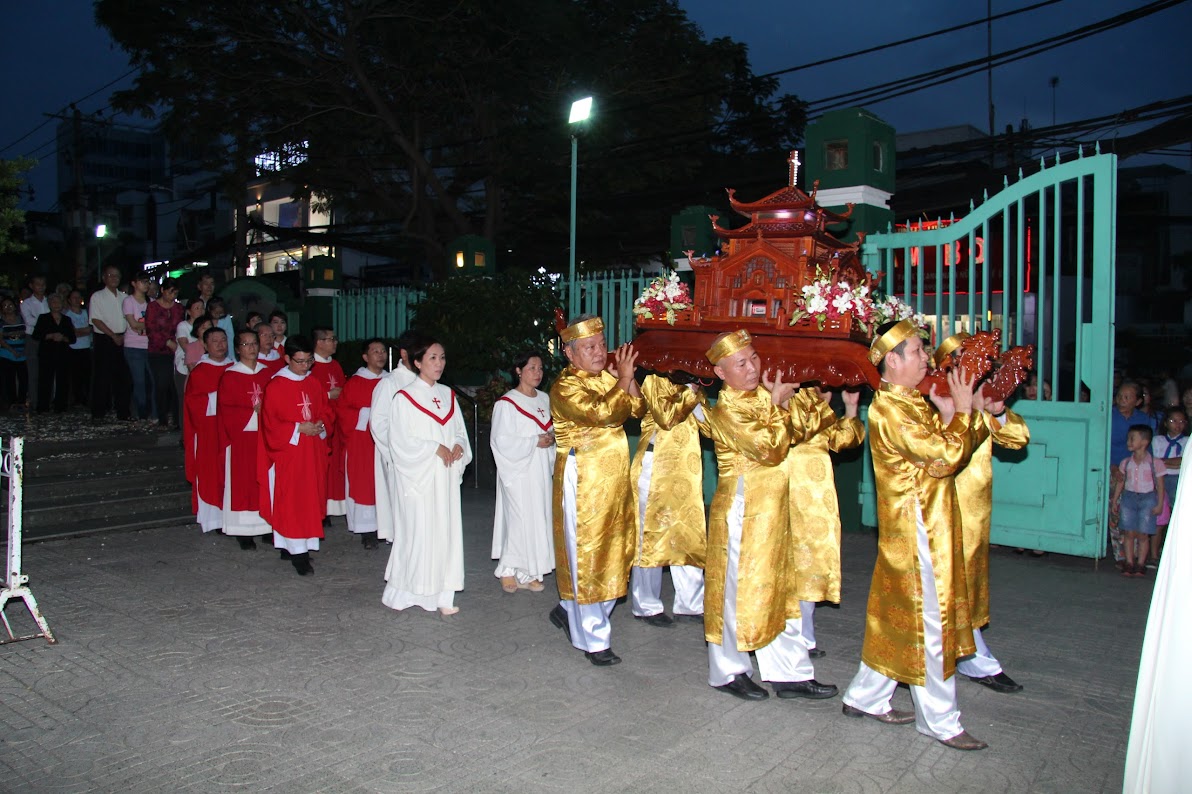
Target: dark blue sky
(52, 54)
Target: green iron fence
(1037, 261)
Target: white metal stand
(12, 468)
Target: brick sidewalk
(186, 664)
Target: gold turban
(948, 347)
(891, 339)
(737, 340)
(582, 329)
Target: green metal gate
(1037, 261)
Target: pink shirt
(135, 339)
(1140, 477)
(194, 351)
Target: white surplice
(426, 565)
(380, 421)
(523, 542)
(361, 518)
(1157, 758)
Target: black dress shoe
(742, 686)
(891, 717)
(817, 653)
(285, 555)
(662, 620)
(558, 616)
(368, 540)
(998, 683)
(248, 544)
(603, 658)
(804, 689)
(301, 563)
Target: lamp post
(101, 231)
(581, 109)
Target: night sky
(53, 54)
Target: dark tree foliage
(427, 120)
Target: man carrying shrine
(918, 613)
(593, 515)
(751, 603)
(974, 490)
(667, 475)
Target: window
(836, 155)
(879, 157)
(478, 259)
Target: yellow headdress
(948, 347)
(582, 329)
(891, 339)
(737, 340)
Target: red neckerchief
(545, 427)
(430, 413)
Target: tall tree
(12, 217)
(449, 118)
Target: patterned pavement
(186, 664)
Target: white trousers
(590, 627)
(645, 584)
(785, 658)
(982, 663)
(936, 712)
(807, 609)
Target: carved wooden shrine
(754, 285)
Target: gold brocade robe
(915, 460)
(674, 532)
(974, 490)
(589, 412)
(752, 437)
(815, 510)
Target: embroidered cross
(542, 413)
(255, 394)
(331, 380)
(438, 403)
(305, 406)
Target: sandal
(445, 611)
(534, 586)
(509, 584)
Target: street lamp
(581, 109)
(101, 231)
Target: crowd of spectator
(124, 351)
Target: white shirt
(32, 308)
(108, 307)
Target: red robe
(298, 501)
(203, 450)
(273, 365)
(359, 447)
(331, 375)
(239, 393)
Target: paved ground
(186, 664)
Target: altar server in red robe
(203, 452)
(329, 373)
(292, 456)
(241, 391)
(360, 451)
(272, 358)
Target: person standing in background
(33, 307)
(79, 357)
(110, 376)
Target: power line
(106, 85)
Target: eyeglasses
(248, 344)
(302, 361)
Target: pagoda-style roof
(787, 212)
